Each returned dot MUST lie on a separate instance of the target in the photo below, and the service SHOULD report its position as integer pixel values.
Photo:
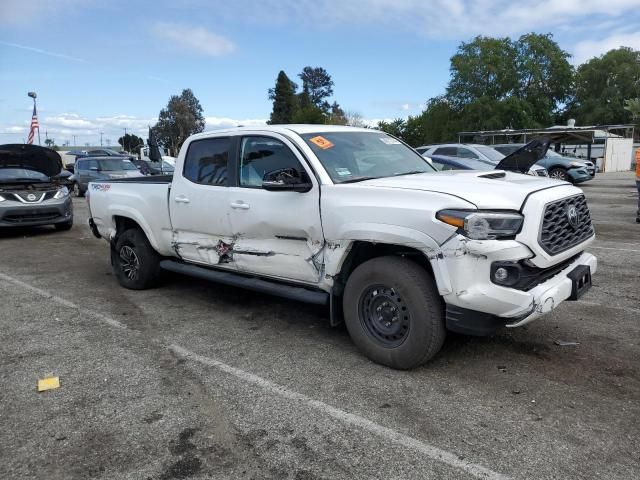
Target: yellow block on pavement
(49, 383)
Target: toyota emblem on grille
(31, 197)
(573, 216)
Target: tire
(559, 173)
(64, 226)
(77, 191)
(408, 327)
(135, 263)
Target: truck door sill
(251, 283)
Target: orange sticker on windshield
(322, 142)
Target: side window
(207, 160)
(81, 165)
(465, 153)
(92, 164)
(447, 151)
(261, 155)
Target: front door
(199, 204)
(277, 234)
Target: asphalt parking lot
(197, 380)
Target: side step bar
(251, 283)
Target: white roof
(300, 129)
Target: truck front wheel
(394, 313)
(135, 263)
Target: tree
(603, 84)
(633, 105)
(317, 86)
(337, 116)
(484, 67)
(284, 100)
(180, 118)
(545, 76)
(50, 142)
(395, 127)
(130, 142)
(310, 114)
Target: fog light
(501, 274)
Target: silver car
(91, 169)
(31, 189)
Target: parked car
(106, 152)
(354, 219)
(89, 169)
(470, 151)
(148, 167)
(31, 189)
(558, 166)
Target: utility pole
(74, 141)
(124, 140)
(101, 133)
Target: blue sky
(102, 66)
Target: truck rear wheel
(394, 313)
(135, 263)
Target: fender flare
(338, 249)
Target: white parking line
(434, 453)
(403, 440)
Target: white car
(477, 152)
(354, 219)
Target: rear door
(276, 234)
(199, 203)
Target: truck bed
(142, 199)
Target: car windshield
(21, 174)
(355, 156)
(490, 153)
(114, 164)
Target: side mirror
(286, 180)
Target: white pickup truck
(354, 219)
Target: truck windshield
(355, 156)
(116, 164)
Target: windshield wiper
(358, 179)
(413, 172)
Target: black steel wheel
(393, 312)
(135, 263)
(384, 315)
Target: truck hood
(31, 157)
(492, 189)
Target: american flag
(34, 126)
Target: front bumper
(476, 305)
(579, 175)
(48, 212)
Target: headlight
(576, 164)
(479, 225)
(61, 193)
(2, 199)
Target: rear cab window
(207, 161)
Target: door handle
(182, 199)
(240, 205)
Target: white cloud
(42, 52)
(588, 49)
(405, 106)
(194, 39)
(213, 123)
(436, 18)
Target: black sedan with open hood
(32, 192)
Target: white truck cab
(355, 219)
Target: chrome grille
(557, 234)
